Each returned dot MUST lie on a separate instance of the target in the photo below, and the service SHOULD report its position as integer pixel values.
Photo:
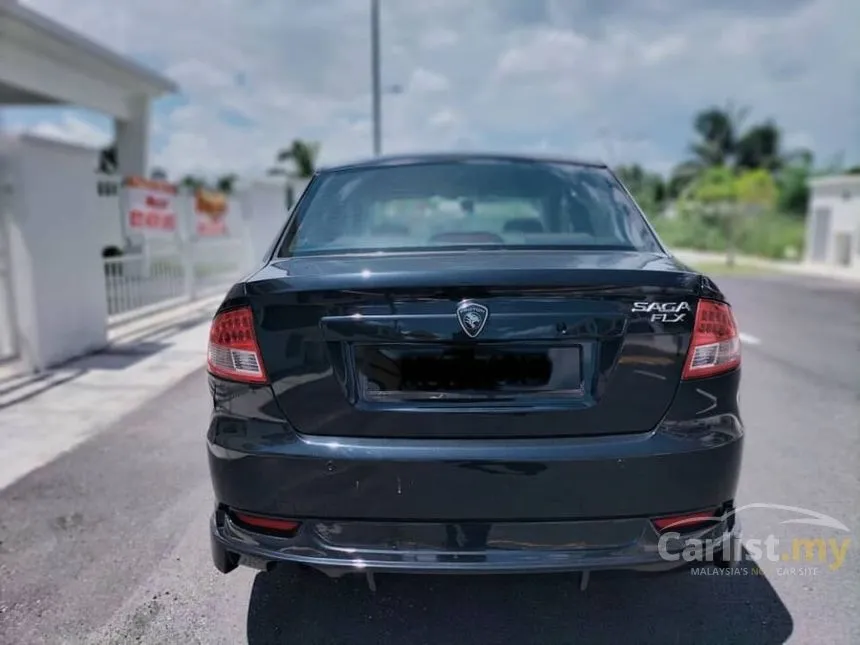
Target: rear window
(466, 204)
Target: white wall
(263, 205)
(55, 247)
(841, 196)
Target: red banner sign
(150, 206)
(210, 212)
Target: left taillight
(234, 353)
(715, 346)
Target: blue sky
(618, 79)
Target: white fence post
(186, 250)
(185, 270)
(185, 208)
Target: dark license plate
(388, 372)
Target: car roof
(438, 157)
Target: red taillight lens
(267, 523)
(687, 522)
(233, 350)
(715, 346)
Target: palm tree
(192, 182)
(760, 147)
(302, 155)
(226, 183)
(721, 140)
(718, 131)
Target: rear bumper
(518, 547)
(471, 505)
(259, 468)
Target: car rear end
(480, 398)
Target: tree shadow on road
(617, 608)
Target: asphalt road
(108, 544)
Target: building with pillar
(51, 239)
(44, 63)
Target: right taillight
(716, 345)
(233, 350)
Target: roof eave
(831, 181)
(155, 83)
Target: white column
(132, 138)
(55, 251)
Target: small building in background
(833, 222)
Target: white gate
(8, 335)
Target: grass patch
(721, 269)
(773, 235)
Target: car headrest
(464, 237)
(390, 229)
(523, 225)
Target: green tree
(192, 182)
(302, 159)
(760, 147)
(726, 196)
(793, 182)
(756, 190)
(226, 183)
(681, 178)
(720, 139)
(717, 134)
(648, 188)
(715, 187)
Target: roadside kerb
(44, 415)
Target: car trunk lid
(468, 345)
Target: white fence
(138, 284)
(163, 270)
(126, 254)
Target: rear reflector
(715, 346)
(686, 522)
(233, 350)
(267, 523)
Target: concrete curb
(53, 412)
(796, 268)
(153, 328)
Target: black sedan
(471, 364)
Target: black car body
(467, 363)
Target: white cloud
(497, 74)
(545, 52)
(195, 75)
(425, 80)
(799, 140)
(68, 129)
(438, 38)
(444, 117)
(664, 49)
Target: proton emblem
(472, 317)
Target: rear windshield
(454, 205)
